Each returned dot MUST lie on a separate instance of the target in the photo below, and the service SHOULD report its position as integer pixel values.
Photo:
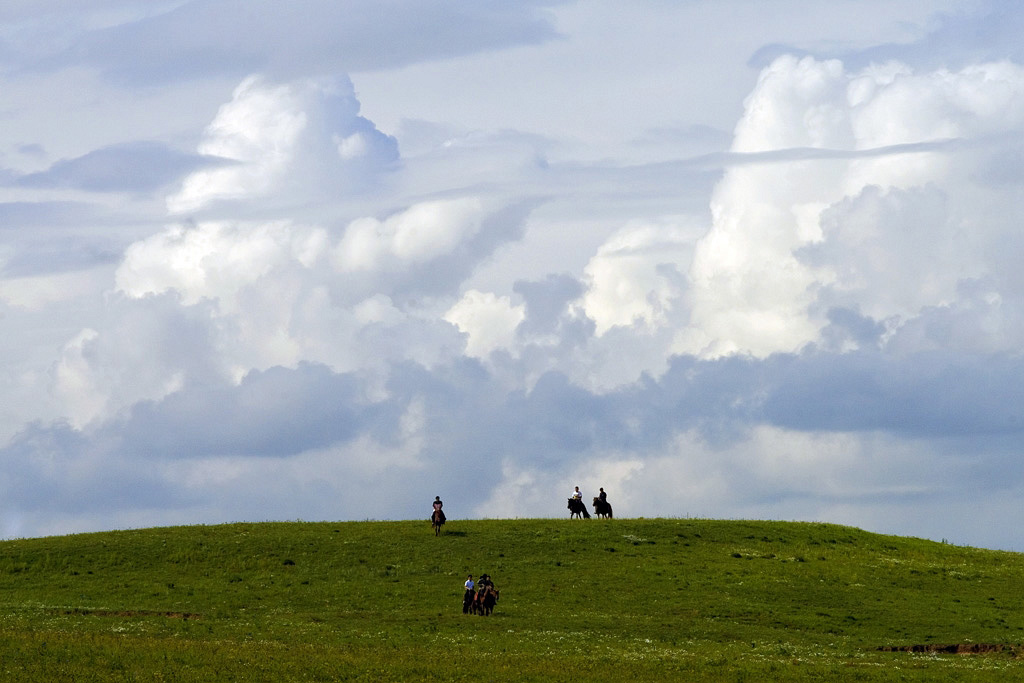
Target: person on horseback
(469, 596)
(602, 508)
(437, 517)
(576, 504)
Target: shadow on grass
(453, 533)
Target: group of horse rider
(479, 597)
(577, 507)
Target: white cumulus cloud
(875, 225)
(287, 142)
(489, 321)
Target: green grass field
(593, 600)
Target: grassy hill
(592, 600)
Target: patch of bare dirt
(956, 648)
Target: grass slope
(594, 600)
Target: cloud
(636, 278)
(124, 167)
(23, 214)
(419, 234)
(546, 302)
(146, 350)
(272, 413)
(60, 473)
(984, 32)
(426, 249)
(55, 237)
(951, 37)
(762, 278)
(488, 321)
(291, 143)
(200, 38)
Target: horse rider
(469, 595)
(603, 497)
(438, 512)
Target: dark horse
(577, 509)
(437, 520)
(482, 602)
(488, 601)
(602, 508)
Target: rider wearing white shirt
(467, 598)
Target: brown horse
(483, 601)
(437, 521)
(489, 599)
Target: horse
(489, 599)
(478, 602)
(437, 520)
(469, 602)
(482, 602)
(602, 508)
(577, 509)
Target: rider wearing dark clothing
(437, 509)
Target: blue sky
(327, 260)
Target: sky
(326, 260)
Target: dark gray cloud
(141, 166)
(287, 40)
(276, 412)
(50, 469)
(847, 326)
(546, 302)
